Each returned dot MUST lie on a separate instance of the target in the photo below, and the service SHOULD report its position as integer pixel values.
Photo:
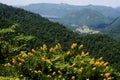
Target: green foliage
(54, 63)
(10, 78)
(102, 45)
(32, 24)
(113, 29)
(11, 44)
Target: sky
(111, 3)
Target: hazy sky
(112, 3)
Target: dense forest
(22, 33)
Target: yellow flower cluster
(7, 65)
(23, 55)
(43, 48)
(83, 54)
(73, 77)
(51, 50)
(58, 46)
(59, 72)
(81, 69)
(13, 60)
(38, 72)
(33, 50)
(81, 46)
(79, 63)
(73, 45)
(46, 60)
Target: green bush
(56, 64)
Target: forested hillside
(91, 18)
(22, 33)
(32, 24)
(114, 29)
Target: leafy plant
(54, 63)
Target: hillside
(118, 8)
(88, 17)
(33, 24)
(114, 29)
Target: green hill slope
(33, 24)
(114, 29)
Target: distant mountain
(63, 9)
(118, 8)
(73, 16)
(58, 10)
(114, 28)
(88, 17)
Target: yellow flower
(101, 58)
(13, 60)
(51, 50)
(87, 54)
(33, 50)
(48, 61)
(22, 60)
(101, 74)
(81, 46)
(83, 54)
(73, 77)
(35, 72)
(106, 68)
(59, 45)
(30, 69)
(106, 63)
(82, 62)
(97, 63)
(107, 74)
(73, 65)
(39, 71)
(54, 73)
(23, 54)
(8, 65)
(81, 69)
(91, 61)
(68, 52)
(43, 59)
(21, 75)
(94, 68)
(17, 79)
(30, 54)
(78, 56)
(87, 79)
(41, 48)
(63, 78)
(109, 78)
(59, 72)
(73, 45)
(19, 64)
(44, 47)
(49, 76)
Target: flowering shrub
(56, 64)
